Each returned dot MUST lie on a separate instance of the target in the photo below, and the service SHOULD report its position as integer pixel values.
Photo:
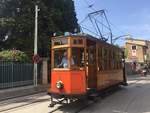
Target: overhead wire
(89, 30)
(114, 26)
(89, 5)
(98, 27)
(86, 2)
(122, 36)
(95, 25)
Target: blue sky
(127, 16)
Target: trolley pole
(35, 44)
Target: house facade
(137, 50)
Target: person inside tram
(64, 61)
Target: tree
(13, 55)
(18, 22)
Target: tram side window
(100, 64)
(103, 63)
(120, 59)
(119, 62)
(78, 57)
(102, 60)
(105, 59)
(117, 56)
(77, 41)
(110, 59)
(114, 60)
(91, 56)
(60, 58)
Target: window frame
(53, 41)
(133, 46)
(69, 45)
(53, 59)
(78, 67)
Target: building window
(133, 47)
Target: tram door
(91, 64)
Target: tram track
(79, 105)
(129, 103)
(75, 107)
(20, 96)
(22, 102)
(91, 103)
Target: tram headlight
(59, 85)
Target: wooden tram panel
(74, 82)
(94, 74)
(103, 78)
(109, 76)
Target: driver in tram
(64, 62)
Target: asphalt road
(135, 98)
(132, 99)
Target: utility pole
(35, 44)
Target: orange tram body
(82, 65)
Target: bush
(13, 55)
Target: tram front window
(78, 57)
(61, 58)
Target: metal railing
(15, 74)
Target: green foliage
(13, 55)
(18, 23)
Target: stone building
(137, 50)
(137, 53)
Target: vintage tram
(83, 64)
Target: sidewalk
(137, 76)
(21, 91)
(134, 78)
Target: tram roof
(87, 36)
